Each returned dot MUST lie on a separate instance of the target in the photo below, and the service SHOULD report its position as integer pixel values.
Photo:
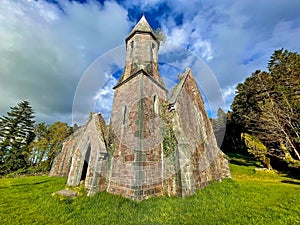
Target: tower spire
(142, 27)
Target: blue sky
(47, 47)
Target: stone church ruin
(155, 144)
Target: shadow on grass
(278, 164)
(242, 160)
(291, 174)
(285, 167)
(290, 182)
(25, 184)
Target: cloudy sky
(60, 55)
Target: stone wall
(136, 170)
(142, 54)
(90, 157)
(200, 160)
(74, 160)
(62, 162)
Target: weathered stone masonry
(160, 145)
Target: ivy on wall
(169, 138)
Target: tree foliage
(16, 133)
(160, 35)
(266, 105)
(48, 143)
(24, 144)
(169, 139)
(256, 148)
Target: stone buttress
(84, 156)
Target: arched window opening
(124, 114)
(131, 48)
(152, 52)
(155, 105)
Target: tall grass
(249, 198)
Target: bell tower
(136, 166)
(141, 53)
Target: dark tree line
(265, 115)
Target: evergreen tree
(16, 133)
(266, 105)
(284, 67)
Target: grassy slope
(249, 198)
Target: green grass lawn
(249, 198)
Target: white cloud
(44, 51)
(104, 99)
(188, 36)
(228, 95)
(235, 38)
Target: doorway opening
(86, 163)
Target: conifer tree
(16, 133)
(267, 106)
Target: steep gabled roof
(143, 27)
(177, 89)
(159, 82)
